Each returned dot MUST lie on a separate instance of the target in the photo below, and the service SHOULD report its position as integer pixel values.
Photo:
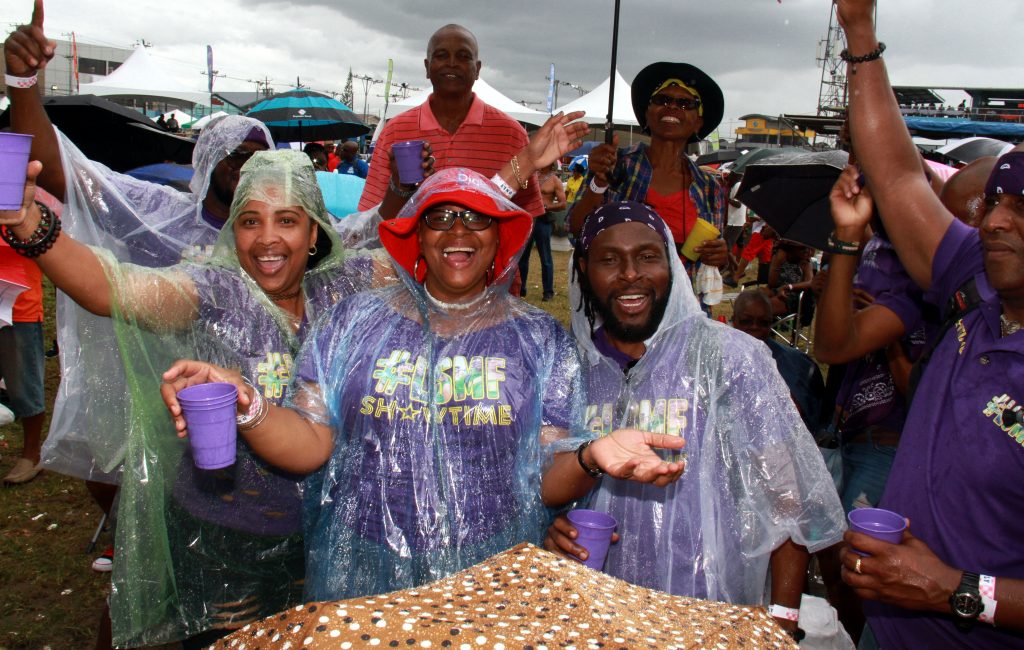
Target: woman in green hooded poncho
(200, 552)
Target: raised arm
(26, 53)
(914, 217)
(156, 300)
(842, 334)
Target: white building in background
(94, 63)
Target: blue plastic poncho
(139, 222)
(199, 550)
(443, 418)
(754, 475)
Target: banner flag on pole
(209, 67)
(551, 90)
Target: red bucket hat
(459, 186)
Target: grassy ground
(50, 597)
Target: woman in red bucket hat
(439, 418)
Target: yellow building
(771, 130)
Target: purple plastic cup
(209, 411)
(409, 160)
(14, 151)
(885, 525)
(595, 534)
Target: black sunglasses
(684, 103)
(237, 157)
(441, 219)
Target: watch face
(966, 605)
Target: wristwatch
(966, 601)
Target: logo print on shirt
(1006, 415)
(274, 374)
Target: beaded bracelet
(42, 238)
(840, 247)
(870, 56)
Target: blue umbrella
(176, 176)
(302, 115)
(582, 161)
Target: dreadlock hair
(586, 292)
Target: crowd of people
(403, 414)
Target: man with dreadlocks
(755, 491)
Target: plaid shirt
(633, 172)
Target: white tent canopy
(484, 91)
(181, 116)
(595, 104)
(203, 121)
(141, 76)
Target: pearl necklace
(454, 306)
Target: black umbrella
(753, 155)
(302, 115)
(119, 137)
(970, 149)
(720, 156)
(790, 191)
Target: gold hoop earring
(312, 251)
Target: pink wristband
(785, 613)
(987, 588)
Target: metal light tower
(832, 97)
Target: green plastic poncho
(198, 549)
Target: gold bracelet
(515, 170)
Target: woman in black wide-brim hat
(676, 103)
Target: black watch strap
(595, 472)
(966, 600)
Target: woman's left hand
(713, 252)
(184, 373)
(629, 454)
(559, 135)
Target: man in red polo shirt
(461, 129)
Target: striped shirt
(484, 142)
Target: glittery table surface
(522, 598)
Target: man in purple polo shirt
(755, 492)
(956, 578)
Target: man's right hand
(27, 50)
(602, 159)
(561, 534)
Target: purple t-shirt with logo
(437, 457)
(959, 470)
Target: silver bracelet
(400, 193)
(256, 408)
(595, 188)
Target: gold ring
(856, 565)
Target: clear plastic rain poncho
(443, 418)
(202, 549)
(754, 475)
(140, 222)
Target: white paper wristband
(505, 188)
(20, 82)
(785, 613)
(597, 189)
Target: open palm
(629, 454)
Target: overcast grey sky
(761, 52)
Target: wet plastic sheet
(138, 222)
(443, 421)
(754, 475)
(199, 550)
